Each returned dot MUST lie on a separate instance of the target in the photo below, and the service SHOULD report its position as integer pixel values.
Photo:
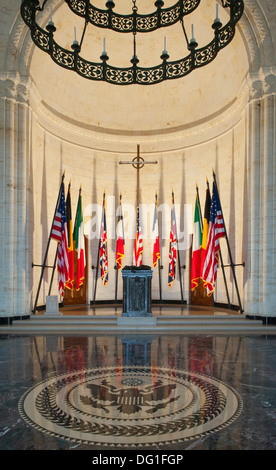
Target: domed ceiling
(131, 109)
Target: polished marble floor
(144, 392)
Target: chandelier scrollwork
(133, 23)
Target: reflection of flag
(205, 229)
(103, 248)
(70, 281)
(173, 247)
(155, 236)
(138, 245)
(120, 248)
(197, 237)
(79, 244)
(216, 231)
(59, 233)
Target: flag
(155, 236)
(70, 282)
(216, 231)
(120, 247)
(138, 245)
(59, 233)
(173, 247)
(103, 248)
(79, 244)
(205, 228)
(196, 250)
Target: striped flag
(59, 233)
(216, 231)
(173, 246)
(103, 248)
(196, 251)
(155, 236)
(138, 245)
(70, 282)
(79, 244)
(205, 230)
(120, 247)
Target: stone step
(59, 324)
(113, 319)
(106, 318)
(106, 322)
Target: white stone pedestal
(52, 305)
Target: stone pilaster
(14, 267)
(260, 290)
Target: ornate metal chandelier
(133, 23)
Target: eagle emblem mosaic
(130, 406)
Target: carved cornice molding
(161, 140)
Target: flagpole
(229, 251)
(47, 248)
(116, 281)
(53, 272)
(116, 265)
(178, 257)
(159, 265)
(98, 260)
(222, 267)
(55, 262)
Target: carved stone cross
(138, 162)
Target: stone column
(14, 264)
(261, 269)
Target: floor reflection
(149, 392)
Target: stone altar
(137, 291)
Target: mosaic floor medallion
(130, 406)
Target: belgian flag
(205, 228)
(78, 236)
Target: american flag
(173, 247)
(216, 231)
(103, 248)
(59, 233)
(138, 245)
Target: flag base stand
(52, 305)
